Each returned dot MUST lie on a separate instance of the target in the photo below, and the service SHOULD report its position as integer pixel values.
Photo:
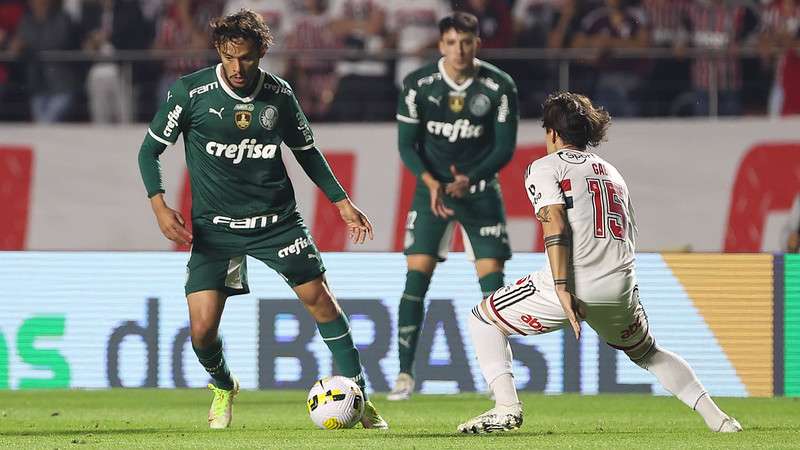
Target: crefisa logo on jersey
(268, 117)
(479, 105)
(456, 101)
(243, 115)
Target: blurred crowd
(762, 79)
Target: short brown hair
(576, 120)
(243, 24)
(459, 21)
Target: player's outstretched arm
(358, 224)
(558, 244)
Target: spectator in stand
(717, 25)
(496, 28)
(277, 15)
(669, 77)
(185, 27)
(606, 28)
(110, 25)
(541, 24)
(51, 85)
(11, 12)
(313, 79)
(413, 27)
(780, 29)
(366, 91)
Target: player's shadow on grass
(84, 433)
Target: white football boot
(499, 418)
(729, 425)
(403, 387)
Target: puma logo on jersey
(434, 100)
(218, 113)
(172, 120)
(460, 129)
(248, 148)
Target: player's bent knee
(642, 351)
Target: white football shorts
(523, 308)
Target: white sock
(675, 374)
(494, 357)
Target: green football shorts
(482, 217)
(218, 255)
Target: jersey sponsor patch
(172, 120)
(268, 117)
(242, 119)
(456, 101)
(295, 248)
(247, 149)
(573, 157)
(479, 105)
(247, 223)
(460, 129)
(203, 89)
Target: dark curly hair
(575, 119)
(243, 24)
(461, 21)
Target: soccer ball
(335, 402)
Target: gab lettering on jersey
(599, 169)
(248, 148)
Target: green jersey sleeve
(296, 132)
(505, 134)
(167, 125)
(172, 117)
(408, 129)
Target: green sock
(410, 316)
(213, 361)
(336, 335)
(490, 283)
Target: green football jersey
(232, 146)
(464, 125)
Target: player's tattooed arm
(558, 245)
(544, 214)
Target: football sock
(410, 316)
(674, 373)
(494, 357)
(490, 283)
(213, 361)
(337, 337)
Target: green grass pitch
(150, 418)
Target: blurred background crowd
(111, 61)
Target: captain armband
(558, 239)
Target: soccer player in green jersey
(234, 117)
(457, 127)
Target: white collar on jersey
(455, 86)
(229, 91)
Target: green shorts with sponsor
(482, 217)
(218, 254)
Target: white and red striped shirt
(715, 26)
